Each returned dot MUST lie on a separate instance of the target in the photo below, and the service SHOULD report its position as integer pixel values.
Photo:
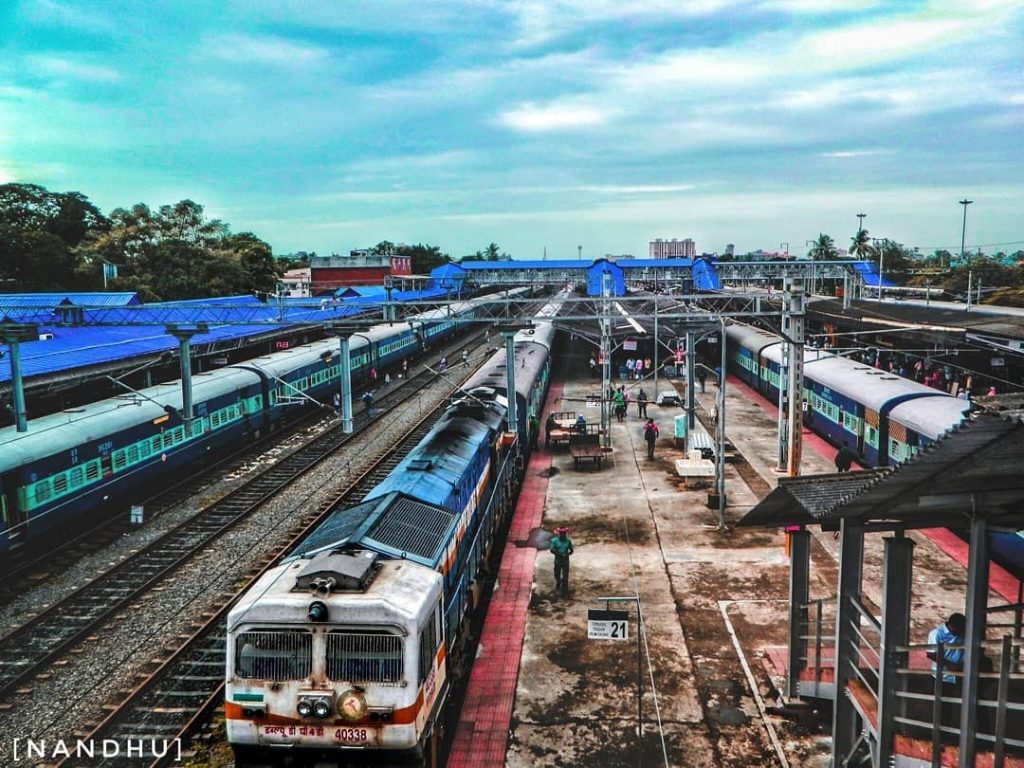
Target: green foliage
(861, 247)
(58, 241)
(823, 249)
(424, 257)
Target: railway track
(187, 687)
(31, 565)
(26, 650)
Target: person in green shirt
(561, 548)
(533, 430)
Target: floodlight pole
(793, 327)
(510, 380)
(345, 381)
(606, 356)
(12, 334)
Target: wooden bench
(559, 436)
(587, 446)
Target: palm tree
(823, 249)
(862, 247)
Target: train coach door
(11, 513)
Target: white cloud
(820, 6)
(77, 70)
(90, 20)
(842, 154)
(641, 189)
(263, 50)
(880, 41)
(534, 118)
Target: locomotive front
(341, 651)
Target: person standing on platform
(844, 459)
(465, 358)
(442, 366)
(561, 548)
(619, 403)
(549, 426)
(949, 633)
(651, 436)
(641, 404)
(368, 402)
(701, 378)
(533, 427)
(593, 367)
(405, 366)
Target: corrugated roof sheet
(50, 300)
(940, 486)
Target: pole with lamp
(881, 260)
(963, 240)
(811, 254)
(785, 245)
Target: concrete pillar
(691, 370)
(795, 332)
(345, 382)
(510, 380)
(799, 594)
(897, 573)
(977, 603)
(17, 386)
(851, 562)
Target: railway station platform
(714, 606)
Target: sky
(327, 125)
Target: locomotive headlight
(317, 611)
(305, 708)
(321, 708)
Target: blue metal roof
(705, 278)
(532, 264)
(74, 347)
(869, 274)
(51, 300)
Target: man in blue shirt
(949, 633)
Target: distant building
(730, 250)
(297, 283)
(360, 267)
(666, 249)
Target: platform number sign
(607, 625)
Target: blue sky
(332, 124)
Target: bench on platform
(695, 465)
(586, 446)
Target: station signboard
(607, 625)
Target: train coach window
(273, 655)
(364, 657)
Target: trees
(823, 249)
(424, 258)
(861, 247)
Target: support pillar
(184, 336)
(510, 380)
(794, 328)
(977, 603)
(897, 584)
(345, 382)
(799, 594)
(721, 432)
(606, 357)
(845, 725)
(657, 344)
(12, 334)
(691, 369)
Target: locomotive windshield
(364, 657)
(280, 655)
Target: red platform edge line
(1000, 581)
(482, 732)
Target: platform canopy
(974, 470)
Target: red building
(328, 273)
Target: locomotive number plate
(352, 736)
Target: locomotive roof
(396, 525)
(398, 590)
(440, 461)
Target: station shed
(890, 706)
(595, 278)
